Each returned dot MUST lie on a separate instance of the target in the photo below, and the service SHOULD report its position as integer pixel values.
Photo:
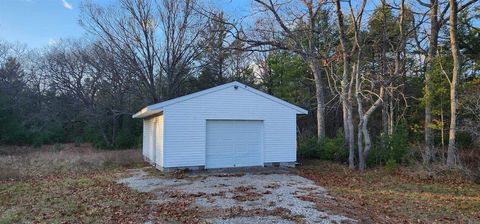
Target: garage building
(231, 125)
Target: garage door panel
(234, 143)
(220, 155)
(247, 155)
(246, 150)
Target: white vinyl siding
(159, 140)
(185, 125)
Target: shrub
(464, 140)
(309, 149)
(42, 137)
(391, 166)
(395, 148)
(125, 139)
(325, 149)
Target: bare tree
(294, 26)
(181, 28)
(131, 32)
(214, 60)
(347, 77)
(364, 142)
(471, 118)
(70, 75)
(378, 83)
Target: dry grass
(408, 195)
(81, 198)
(69, 184)
(24, 163)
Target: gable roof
(157, 108)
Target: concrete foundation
(281, 164)
(188, 168)
(199, 168)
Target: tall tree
(347, 78)
(432, 51)
(437, 20)
(452, 154)
(215, 53)
(181, 27)
(298, 27)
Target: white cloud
(67, 5)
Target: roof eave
(157, 108)
(147, 112)
(302, 111)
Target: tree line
(375, 74)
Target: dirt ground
(405, 195)
(254, 196)
(67, 183)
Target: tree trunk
(432, 50)
(346, 93)
(442, 132)
(363, 127)
(452, 155)
(351, 133)
(385, 122)
(319, 94)
(362, 163)
(385, 107)
(364, 141)
(391, 114)
(349, 130)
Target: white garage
(231, 125)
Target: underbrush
(470, 159)
(392, 150)
(28, 162)
(325, 149)
(395, 150)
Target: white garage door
(232, 143)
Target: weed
(391, 166)
(57, 147)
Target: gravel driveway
(236, 197)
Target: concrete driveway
(248, 196)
